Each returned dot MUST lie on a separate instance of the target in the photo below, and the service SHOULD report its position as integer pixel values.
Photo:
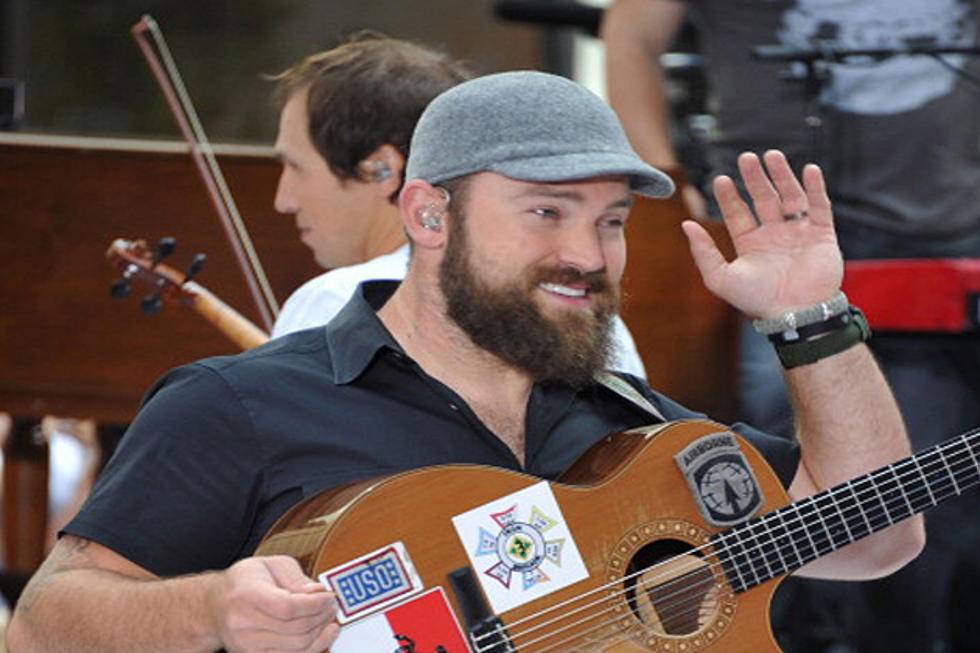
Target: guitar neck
(788, 538)
(229, 321)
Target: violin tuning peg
(119, 289)
(195, 266)
(151, 304)
(165, 247)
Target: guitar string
(783, 563)
(667, 607)
(613, 621)
(720, 540)
(666, 616)
(700, 605)
(910, 468)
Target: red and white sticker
(423, 623)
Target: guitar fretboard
(788, 538)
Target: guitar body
(625, 501)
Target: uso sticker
(371, 582)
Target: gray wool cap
(530, 126)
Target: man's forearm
(98, 611)
(847, 420)
(86, 597)
(848, 424)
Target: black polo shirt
(222, 447)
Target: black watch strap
(853, 331)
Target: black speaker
(11, 103)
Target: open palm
(786, 253)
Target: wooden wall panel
(685, 335)
(67, 348)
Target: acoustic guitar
(668, 538)
(137, 261)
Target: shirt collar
(356, 335)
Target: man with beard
(489, 352)
(346, 119)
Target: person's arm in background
(635, 34)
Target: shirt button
(454, 406)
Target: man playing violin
(518, 189)
(346, 118)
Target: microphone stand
(829, 51)
(817, 59)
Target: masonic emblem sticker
(520, 547)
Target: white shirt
(318, 300)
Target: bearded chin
(571, 346)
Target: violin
(138, 261)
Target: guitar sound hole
(670, 588)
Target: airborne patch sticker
(722, 483)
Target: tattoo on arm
(77, 548)
(70, 553)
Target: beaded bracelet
(804, 317)
(811, 330)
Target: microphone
(832, 51)
(551, 14)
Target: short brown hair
(367, 92)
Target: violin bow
(168, 78)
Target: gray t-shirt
(900, 145)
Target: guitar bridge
(486, 630)
(489, 636)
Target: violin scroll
(138, 261)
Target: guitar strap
(628, 392)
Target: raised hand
(786, 253)
(269, 604)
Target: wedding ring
(795, 215)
